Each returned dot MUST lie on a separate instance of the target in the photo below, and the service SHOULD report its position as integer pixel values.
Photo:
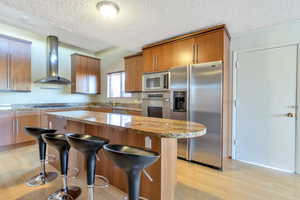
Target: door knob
(291, 115)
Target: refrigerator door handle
(188, 151)
(188, 93)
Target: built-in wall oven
(153, 82)
(156, 104)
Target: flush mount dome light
(108, 9)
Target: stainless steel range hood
(52, 64)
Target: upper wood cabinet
(209, 47)
(15, 64)
(86, 75)
(133, 73)
(198, 47)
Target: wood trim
(134, 55)
(115, 72)
(77, 54)
(15, 39)
(188, 35)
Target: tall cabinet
(133, 73)
(15, 64)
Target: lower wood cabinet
(23, 119)
(6, 130)
(102, 109)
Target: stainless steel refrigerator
(196, 95)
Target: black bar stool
(44, 177)
(133, 160)
(59, 142)
(89, 146)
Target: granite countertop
(47, 106)
(145, 125)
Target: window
(116, 85)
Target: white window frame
(123, 93)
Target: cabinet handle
(197, 54)
(194, 54)
(7, 72)
(17, 127)
(153, 62)
(13, 126)
(156, 58)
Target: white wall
(112, 61)
(273, 36)
(38, 56)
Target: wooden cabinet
(23, 119)
(15, 64)
(198, 47)
(133, 73)
(155, 59)
(86, 75)
(102, 109)
(46, 123)
(209, 47)
(183, 52)
(7, 128)
(4, 64)
(133, 112)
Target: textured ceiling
(140, 22)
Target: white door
(266, 92)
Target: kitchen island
(157, 134)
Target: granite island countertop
(145, 125)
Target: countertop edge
(171, 135)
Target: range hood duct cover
(52, 64)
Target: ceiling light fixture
(108, 9)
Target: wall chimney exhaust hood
(52, 64)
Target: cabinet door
(6, 130)
(102, 109)
(133, 73)
(4, 65)
(130, 74)
(209, 47)
(183, 52)
(149, 61)
(93, 76)
(133, 112)
(79, 74)
(139, 73)
(23, 119)
(20, 66)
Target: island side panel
(168, 167)
(150, 190)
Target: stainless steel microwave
(156, 81)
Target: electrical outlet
(148, 142)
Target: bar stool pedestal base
(71, 194)
(41, 179)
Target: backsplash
(44, 93)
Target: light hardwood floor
(238, 181)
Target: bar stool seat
(59, 142)
(133, 160)
(89, 146)
(44, 177)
